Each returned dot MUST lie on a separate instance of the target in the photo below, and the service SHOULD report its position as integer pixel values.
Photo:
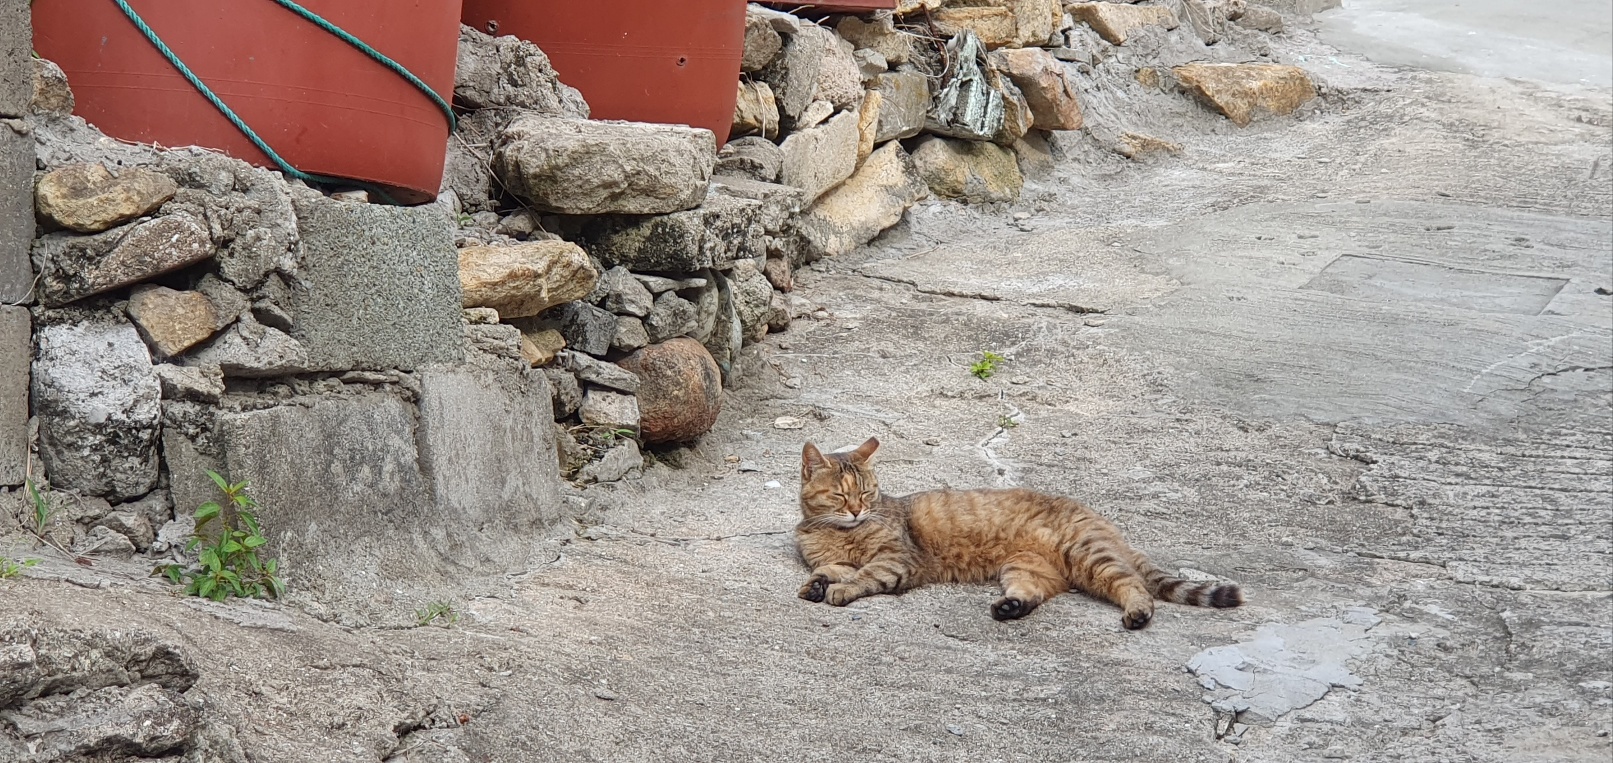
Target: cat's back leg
(1102, 570)
(1028, 579)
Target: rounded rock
(680, 391)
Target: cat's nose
(853, 510)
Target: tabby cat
(860, 543)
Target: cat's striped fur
(859, 543)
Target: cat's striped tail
(1168, 587)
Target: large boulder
(72, 267)
(494, 72)
(99, 405)
(579, 167)
(762, 42)
(860, 208)
(524, 279)
(1243, 91)
(680, 390)
(88, 198)
(968, 170)
(879, 35)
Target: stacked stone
(174, 312)
(866, 115)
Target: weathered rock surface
(871, 201)
(98, 403)
(995, 26)
(630, 334)
(967, 105)
(1045, 84)
(818, 158)
(762, 42)
(597, 372)
(134, 526)
(16, 350)
(204, 384)
(1115, 22)
(172, 321)
(72, 266)
(487, 435)
(1136, 145)
(880, 35)
(378, 286)
(903, 105)
(750, 157)
(680, 393)
(614, 410)
(867, 124)
(1243, 91)
(1209, 18)
(624, 294)
(620, 462)
(541, 353)
(248, 210)
(755, 112)
(581, 167)
(566, 391)
(17, 218)
(716, 233)
(524, 279)
(495, 72)
(967, 170)
(752, 296)
(586, 328)
(88, 198)
(673, 316)
(1035, 154)
(839, 79)
(793, 73)
(52, 94)
(251, 349)
(779, 202)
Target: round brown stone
(680, 392)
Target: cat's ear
(865, 451)
(811, 460)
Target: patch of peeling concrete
(1284, 668)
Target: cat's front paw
(840, 594)
(814, 588)
(1011, 609)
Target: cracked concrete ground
(1360, 363)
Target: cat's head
(840, 487)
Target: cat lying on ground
(859, 543)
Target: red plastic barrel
(323, 105)
(639, 60)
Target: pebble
(932, 441)
(1022, 215)
(749, 466)
(1094, 322)
(788, 422)
(955, 730)
(772, 484)
(607, 695)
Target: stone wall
(407, 388)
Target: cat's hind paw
(1137, 619)
(1010, 608)
(841, 594)
(814, 589)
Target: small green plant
(987, 365)
(228, 564)
(1006, 422)
(43, 511)
(437, 612)
(10, 569)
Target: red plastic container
(639, 60)
(325, 107)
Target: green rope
(241, 125)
